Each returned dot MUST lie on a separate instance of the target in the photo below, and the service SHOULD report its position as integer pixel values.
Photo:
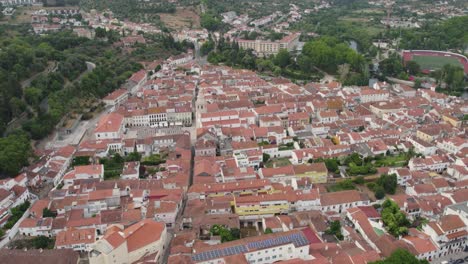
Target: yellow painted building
(258, 206)
(455, 122)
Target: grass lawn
(398, 161)
(379, 231)
(281, 162)
(433, 63)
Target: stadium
(431, 60)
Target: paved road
(51, 67)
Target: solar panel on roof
(241, 249)
(235, 250)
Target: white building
(76, 239)
(371, 95)
(119, 245)
(36, 227)
(452, 145)
(339, 202)
(110, 126)
(116, 97)
(449, 234)
(260, 249)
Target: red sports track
(408, 55)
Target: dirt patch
(183, 18)
(248, 232)
(364, 189)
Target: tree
(359, 180)
(81, 160)
(401, 256)
(453, 76)
(33, 96)
(207, 46)
(43, 242)
(266, 157)
(305, 63)
(15, 150)
(379, 192)
(133, 156)
(391, 66)
(328, 52)
(210, 22)
(48, 213)
(354, 158)
(225, 233)
(283, 58)
(268, 231)
(16, 213)
(395, 221)
(17, 106)
(417, 84)
(335, 229)
(388, 182)
(413, 67)
(100, 32)
(332, 165)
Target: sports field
(435, 62)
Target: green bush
(379, 192)
(359, 180)
(371, 186)
(16, 213)
(395, 220)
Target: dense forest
(326, 53)
(451, 34)
(43, 78)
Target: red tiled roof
(109, 123)
(75, 236)
(143, 233)
(340, 197)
